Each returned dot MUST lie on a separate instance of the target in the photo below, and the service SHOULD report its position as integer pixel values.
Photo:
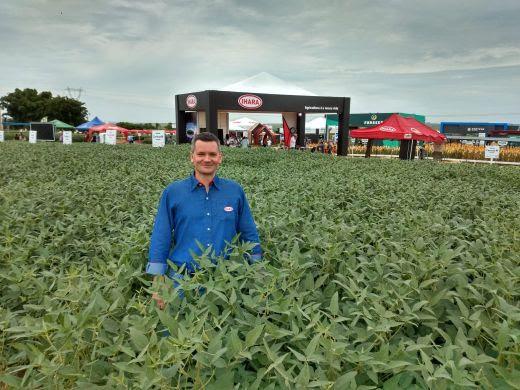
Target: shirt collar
(194, 183)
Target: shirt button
(209, 229)
(207, 198)
(207, 214)
(207, 244)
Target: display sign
(45, 131)
(191, 101)
(492, 152)
(158, 138)
(250, 101)
(2, 138)
(32, 136)
(101, 138)
(67, 138)
(111, 137)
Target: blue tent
(87, 125)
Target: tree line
(27, 105)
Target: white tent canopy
(242, 124)
(316, 123)
(266, 83)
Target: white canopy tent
(242, 124)
(266, 83)
(316, 123)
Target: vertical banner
(101, 138)
(111, 137)
(158, 138)
(2, 137)
(67, 138)
(289, 126)
(32, 136)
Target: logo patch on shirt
(228, 209)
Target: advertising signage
(212, 105)
(472, 128)
(370, 119)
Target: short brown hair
(205, 136)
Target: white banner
(101, 138)
(111, 137)
(2, 138)
(492, 152)
(67, 138)
(32, 136)
(158, 138)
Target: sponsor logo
(191, 101)
(388, 129)
(373, 117)
(250, 102)
(228, 209)
(372, 122)
(415, 131)
(407, 136)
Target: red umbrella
(397, 127)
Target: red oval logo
(250, 102)
(388, 129)
(191, 101)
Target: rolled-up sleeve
(161, 239)
(247, 229)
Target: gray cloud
(449, 60)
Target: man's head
(205, 154)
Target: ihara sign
(191, 101)
(250, 101)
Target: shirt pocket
(226, 211)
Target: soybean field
(376, 274)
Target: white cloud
(130, 56)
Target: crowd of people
(20, 137)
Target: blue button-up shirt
(188, 217)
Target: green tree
(68, 110)
(28, 105)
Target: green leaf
(346, 381)
(138, 338)
(253, 335)
(333, 307)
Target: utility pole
(74, 93)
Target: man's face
(206, 157)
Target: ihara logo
(250, 102)
(388, 129)
(228, 209)
(191, 101)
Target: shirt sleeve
(160, 242)
(247, 228)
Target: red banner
(286, 133)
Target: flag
(286, 134)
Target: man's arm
(247, 228)
(161, 239)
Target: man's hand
(158, 300)
(155, 296)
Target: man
(292, 143)
(201, 210)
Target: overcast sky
(448, 60)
